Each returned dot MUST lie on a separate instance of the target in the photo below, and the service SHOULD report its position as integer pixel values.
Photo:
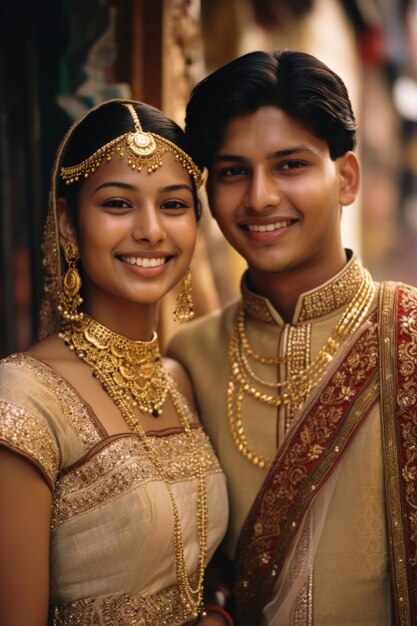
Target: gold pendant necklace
(133, 375)
(294, 390)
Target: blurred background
(60, 57)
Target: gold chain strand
(266, 360)
(296, 387)
(99, 355)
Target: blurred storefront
(60, 57)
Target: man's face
(277, 194)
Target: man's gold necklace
(133, 375)
(297, 386)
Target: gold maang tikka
(142, 150)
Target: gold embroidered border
(317, 303)
(300, 468)
(123, 465)
(399, 410)
(22, 431)
(69, 401)
(162, 608)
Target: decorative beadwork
(142, 150)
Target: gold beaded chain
(112, 359)
(296, 387)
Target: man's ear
(66, 226)
(350, 175)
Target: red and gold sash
(398, 368)
(383, 358)
(300, 469)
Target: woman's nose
(148, 225)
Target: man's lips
(264, 228)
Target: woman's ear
(349, 178)
(66, 226)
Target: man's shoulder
(405, 289)
(206, 329)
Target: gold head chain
(142, 150)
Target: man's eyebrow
(229, 158)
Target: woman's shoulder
(181, 378)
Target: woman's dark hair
(107, 122)
(295, 82)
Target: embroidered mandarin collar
(318, 302)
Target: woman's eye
(174, 204)
(116, 203)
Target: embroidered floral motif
(407, 407)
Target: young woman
(112, 500)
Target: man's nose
(263, 192)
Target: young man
(307, 385)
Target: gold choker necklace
(295, 389)
(131, 371)
(133, 375)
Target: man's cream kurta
(339, 571)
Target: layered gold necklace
(293, 390)
(133, 375)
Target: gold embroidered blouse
(111, 546)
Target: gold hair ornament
(142, 150)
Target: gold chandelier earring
(183, 311)
(69, 296)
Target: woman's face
(136, 232)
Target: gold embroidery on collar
(317, 303)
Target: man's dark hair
(297, 83)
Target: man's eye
(233, 171)
(292, 165)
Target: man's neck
(283, 289)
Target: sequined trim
(399, 408)
(69, 401)
(27, 433)
(316, 303)
(298, 358)
(322, 435)
(122, 465)
(160, 609)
